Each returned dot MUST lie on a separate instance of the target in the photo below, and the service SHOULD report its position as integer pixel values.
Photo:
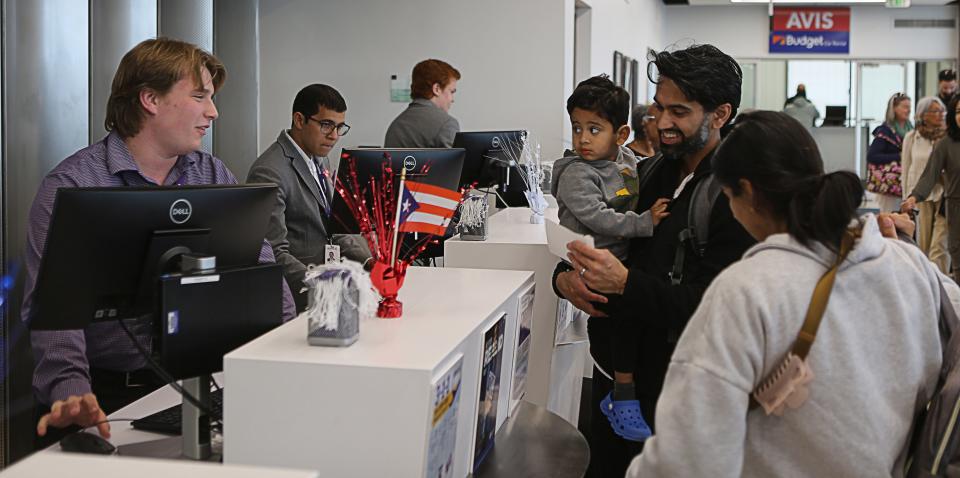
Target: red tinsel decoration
(374, 207)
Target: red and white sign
(811, 19)
(807, 30)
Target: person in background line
(946, 85)
(160, 107)
(917, 146)
(883, 157)
(426, 123)
(801, 93)
(297, 163)
(876, 355)
(800, 108)
(641, 121)
(944, 162)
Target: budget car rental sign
(810, 30)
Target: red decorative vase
(388, 281)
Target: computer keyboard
(170, 419)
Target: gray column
(191, 21)
(236, 36)
(45, 119)
(115, 27)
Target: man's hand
(599, 268)
(574, 290)
(890, 223)
(75, 410)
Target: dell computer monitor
(439, 167)
(107, 250)
(835, 116)
(488, 155)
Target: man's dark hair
(599, 95)
(312, 97)
(703, 73)
(947, 75)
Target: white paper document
(558, 237)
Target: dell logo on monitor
(495, 142)
(409, 163)
(180, 211)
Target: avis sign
(810, 30)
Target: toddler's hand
(659, 210)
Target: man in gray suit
(426, 123)
(297, 162)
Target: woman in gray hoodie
(875, 357)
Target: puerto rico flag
(408, 204)
(427, 208)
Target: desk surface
(72, 464)
(512, 226)
(121, 433)
(440, 308)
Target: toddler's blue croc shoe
(626, 418)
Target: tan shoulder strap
(818, 303)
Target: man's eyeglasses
(327, 126)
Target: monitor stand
(194, 443)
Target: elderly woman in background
(917, 146)
(883, 157)
(646, 140)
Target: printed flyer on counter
(489, 390)
(443, 431)
(522, 356)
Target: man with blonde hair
(160, 108)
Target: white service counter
(366, 410)
(556, 371)
(838, 147)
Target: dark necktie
(322, 181)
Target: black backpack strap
(646, 169)
(701, 206)
(695, 235)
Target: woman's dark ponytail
(823, 212)
(780, 159)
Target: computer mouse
(83, 442)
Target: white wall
(742, 32)
(511, 55)
(627, 26)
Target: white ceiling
(727, 2)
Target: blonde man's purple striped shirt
(63, 358)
